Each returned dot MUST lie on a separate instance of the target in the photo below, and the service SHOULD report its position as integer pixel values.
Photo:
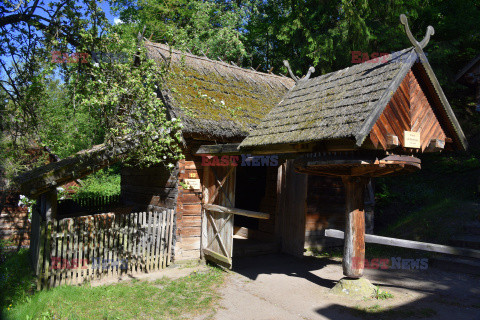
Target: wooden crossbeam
(431, 247)
(240, 212)
(219, 149)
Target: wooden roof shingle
(340, 105)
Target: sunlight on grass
(162, 299)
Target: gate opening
(251, 194)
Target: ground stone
(355, 288)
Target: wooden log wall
(14, 225)
(82, 249)
(189, 211)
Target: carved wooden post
(354, 245)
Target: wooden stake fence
(81, 249)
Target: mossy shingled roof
(215, 99)
(332, 106)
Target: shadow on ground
(252, 267)
(278, 282)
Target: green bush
(105, 182)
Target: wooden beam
(392, 141)
(218, 258)
(240, 212)
(435, 145)
(431, 247)
(354, 245)
(218, 149)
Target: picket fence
(80, 249)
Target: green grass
(16, 278)
(162, 299)
(382, 295)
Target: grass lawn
(182, 298)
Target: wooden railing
(81, 249)
(410, 244)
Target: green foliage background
(72, 106)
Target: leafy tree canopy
(70, 80)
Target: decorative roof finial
(418, 45)
(310, 71)
(290, 72)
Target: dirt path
(283, 287)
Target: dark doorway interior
(249, 192)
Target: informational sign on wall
(412, 139)
(193, 184)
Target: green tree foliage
(81, 82)
(212, 28)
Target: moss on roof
(332, 106)
(213, 98)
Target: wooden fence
(92, 205)
(80, 249)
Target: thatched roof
(193, 93)
(342, 105)
(214, 99)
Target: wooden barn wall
(408, 110)
(325, 209)
(153, 188)
(148, 188)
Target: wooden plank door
(217, 227)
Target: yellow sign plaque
(193, 184)
(412, 139)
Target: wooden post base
(354, 245)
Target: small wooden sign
(193, 184)
(411, 139)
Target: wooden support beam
(392, 141)
(417, 245)
(354, 246)
(435, 145)
(240, 212)
(217, 149)
(48, 205)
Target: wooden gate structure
(217, 229)
(365, 121)
(368, 120)
(218, 214)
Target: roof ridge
(191, 55)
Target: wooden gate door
(217, 227)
